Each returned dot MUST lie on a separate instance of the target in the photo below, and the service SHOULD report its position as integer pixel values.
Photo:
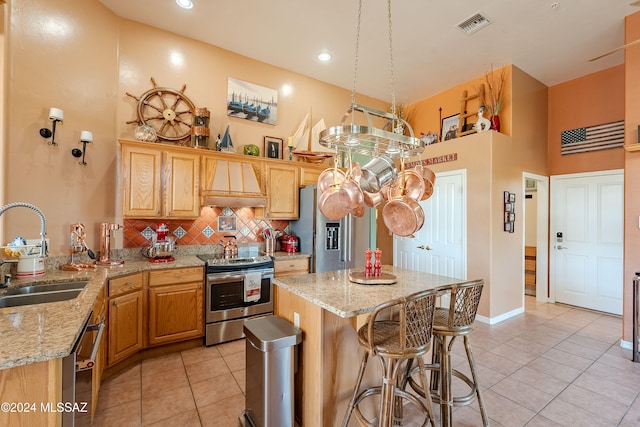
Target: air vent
(473, 24)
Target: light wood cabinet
(176, 307)
(309, 174)
(290, 267)
(282, 183)
(159, 182)
(125, 313)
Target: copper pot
(329, 177)
(373, 199)
(356, 198)
(334, 203)
(408, 183)
(403, 216)
(429, 180)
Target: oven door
(225, 296)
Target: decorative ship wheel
(167, 111)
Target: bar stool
(450, 323)
(394, 342)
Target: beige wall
(78, 56)
(631, 171)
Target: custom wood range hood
(231, 183)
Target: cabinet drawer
(291, 266)
(176, 275)
(123, 285)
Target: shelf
(632, 147)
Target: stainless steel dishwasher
(77, 376)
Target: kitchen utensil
(160, 250)
(329, 177)
(334, 203)
(290, 243)
(376, 173)
(408, 183)
(403, 216)
(351, 187)
(429, 180)
(372, 199)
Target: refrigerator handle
(347, 237)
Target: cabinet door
(176, 313)
(141, 182)
(180, 194)
(125, 326)
(282, 192)
(309, 175)
(291, 267)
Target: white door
(587, 212)
(439, 247)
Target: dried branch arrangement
(492, 98)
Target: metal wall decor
(509, 212)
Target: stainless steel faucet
(43, 223)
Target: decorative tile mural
(202, 231)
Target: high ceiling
(551, 40)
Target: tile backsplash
(210, 228)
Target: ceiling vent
(473, 24)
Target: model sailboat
(306, 141)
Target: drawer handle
(177, 276)
(128, 283)
(115, 303)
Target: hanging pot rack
(368, 139)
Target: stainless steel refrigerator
(333, 245)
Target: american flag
(601, 137)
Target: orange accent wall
(591, 100)
(631, 171)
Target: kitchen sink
(40, 294)
(38, 298)
(48, 287)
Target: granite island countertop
(39, 332)
(334, 292)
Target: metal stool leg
(352, 402)
(474, 375)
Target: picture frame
(273, 147)
(252, 102)
(449, 128)
(512, 197)
(227, 223)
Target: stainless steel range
(236, 289)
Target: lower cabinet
(176, 309)
(99, 316)
(153, 308)
(126, 305)
(290, 267)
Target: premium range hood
(231, 184)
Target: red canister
(290, 244)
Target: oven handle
(83, 365)
(225, 278)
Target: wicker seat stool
(395, 342)
(450, 323)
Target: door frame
(553, 178)
(542, 236)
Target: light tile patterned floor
(553, 365)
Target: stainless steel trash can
(270, 343)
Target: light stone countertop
(39, 332)
(334, 292)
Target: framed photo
(508, 226)
(508, 207)
(252, 102)
(512, 197)
(449, 128)
(227, 223)
(512, 217)
(273, 147)
(506, 197)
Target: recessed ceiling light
(324, 57)
(185, 4)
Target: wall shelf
(632, 147)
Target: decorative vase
(495, 123)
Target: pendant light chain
(355, 67)
(393, 91)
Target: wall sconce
(55, 115)
(85, 137)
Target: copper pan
(358, 211)
(414, 185)
(329, 177)
(373, 199)
(334, 203)
(403, 216)
(356, 198)
(429, 180)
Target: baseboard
(627, 345)
(498, 319)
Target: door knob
(561, 247)
(425, 247)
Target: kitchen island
(330, 309)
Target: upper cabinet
(282, 184)
(159, 181)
